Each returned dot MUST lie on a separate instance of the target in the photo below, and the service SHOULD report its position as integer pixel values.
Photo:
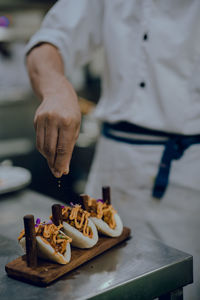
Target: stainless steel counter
(139, 268)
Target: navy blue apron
(174, 147)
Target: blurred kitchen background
(19, 19)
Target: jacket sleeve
(74, 27)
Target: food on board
(52, 243)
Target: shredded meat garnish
(78, 218)
(102, 211)
(51, 234)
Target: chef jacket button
(142, 84)
(145, 37)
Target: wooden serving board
(46, 272)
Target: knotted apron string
(175, 145)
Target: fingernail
(57, 174)
(66, 172)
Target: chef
(149, 109)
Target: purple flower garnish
(38, 221)
(62, 206)
(48, 223)
(100, 200)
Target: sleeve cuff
(54, 37)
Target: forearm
(46, 70)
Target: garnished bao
(78, 225)
(101, 210)
(104, 216)
(52, 243)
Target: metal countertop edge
(144, 289)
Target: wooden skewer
(57, 214)
(30, 236)
(84, 201)
(106, 194)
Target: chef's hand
(57, 119)
(57, 123)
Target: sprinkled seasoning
(59, 183)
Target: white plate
(13, 178)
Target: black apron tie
(174, 149)
(175, 145)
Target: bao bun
(46, 251)
(104, 228)
(78, 239)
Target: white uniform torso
(151, 78)
(167, 62)
(152, 64)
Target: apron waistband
(174, 147)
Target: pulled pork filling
(103, 211)
(78, 218)
(51, 234)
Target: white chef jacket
(152, 79)
(152, 57)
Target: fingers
(50, 142)
(57, 128)
(64, 150)
(46, 138)
(40, 131)
(56, 143)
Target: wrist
(57, 85)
